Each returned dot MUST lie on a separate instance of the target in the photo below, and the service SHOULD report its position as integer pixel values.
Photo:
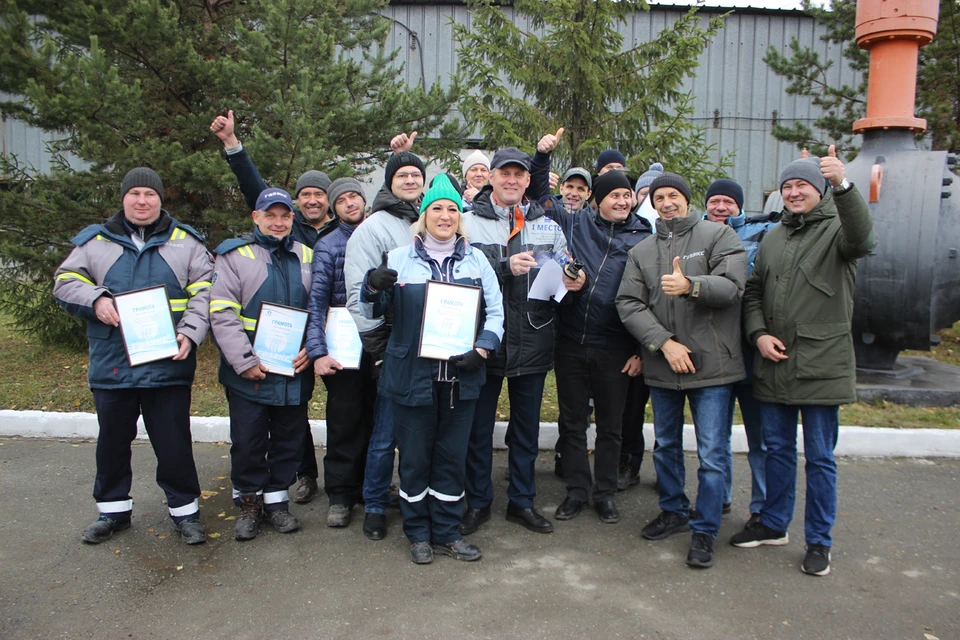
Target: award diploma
(279, 337)
(343, 338)
(146, 324)
(449, 325)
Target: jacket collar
(270, 243)
(677, 226)
(633, 222)
(826, 208)
(459, 248)
(118, 226)
(386, 201)
(483, 206)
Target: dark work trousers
(308, 462)
(267, 445)
(433, 440)
(584, 372)
(351, 395)
(522, 438)
(166, 415)
(634, 412)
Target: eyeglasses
(416, 175)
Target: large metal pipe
(910, 288)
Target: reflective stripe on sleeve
(178, 304)
(220, 305)
(120, 506)
(249, 324)
(185, 510)
(197, 287)
(246, 252)
(73, 275)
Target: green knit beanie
(441, 189)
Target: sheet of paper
(343, 338)
(549, 282)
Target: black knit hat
(670, 180)
(141, 177)
(402, 159)
(608, 182)
(724, 187)
(315, 179)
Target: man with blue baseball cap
(268, 411)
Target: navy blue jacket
(106, 262)
(252, 185)
(407, 378)
(329, 287)
(590, 318)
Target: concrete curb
(854, 441)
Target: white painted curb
(854, 441)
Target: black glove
(469, 361)
(383, 277)
(572, 269)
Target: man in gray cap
(139, 247)
(310, 223)
(798, 307)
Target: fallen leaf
(206, 495)
(213, 535)
(222, 515)
(224, 457)
(230, 518)
(150, 530)
(117, 552)
(929, 636)
(180, 567)
(162, 536)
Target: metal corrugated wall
(732, 81)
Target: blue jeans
(821, 426)
(522, 438)
(756, 450)
(379, 469)
(710, 406)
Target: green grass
(41, 377)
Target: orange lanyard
(516, 216)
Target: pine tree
(137, 82)
(576, 73)
(938, 81)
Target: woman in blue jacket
(434, 400)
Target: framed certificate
(146, 324)
(449, 325)
(279, 337)
(343, 338)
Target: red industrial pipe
(893, 32)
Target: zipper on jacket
(670, 307)
(586, 311)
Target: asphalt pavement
(896, 565)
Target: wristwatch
(843, 186)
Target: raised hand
(832, 167)
(402, 142)
(549, 142)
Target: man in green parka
(798, 306)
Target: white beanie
(477, 157)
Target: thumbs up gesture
(549, 142)
(402, 142)
(223, 127)
(675, 284)
(832, 168)
(383, 277)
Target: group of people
(657, 301)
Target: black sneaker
(375, 525)
(191, 531)
(459, 549)
(102, 529)
(627, 476)
(667, 523)
(817, 560)
(754, 535)
(701, 551)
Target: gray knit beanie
(315, 179)
(651, 174)
(341, 186)
(806, 169)
(141, 177)
(670, 180)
